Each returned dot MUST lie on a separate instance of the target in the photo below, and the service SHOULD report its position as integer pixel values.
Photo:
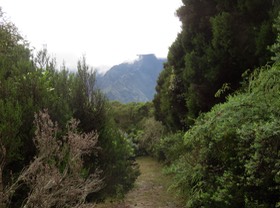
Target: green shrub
(170, 147)
(152, 132)
(231, 155)
(115, 159)
(31, 83)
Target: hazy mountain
(132, 82)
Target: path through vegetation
(150, 189)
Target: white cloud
(107, 31)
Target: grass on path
(150, 189)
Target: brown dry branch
(55, 175)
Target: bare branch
(55, 175)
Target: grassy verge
(150, 189)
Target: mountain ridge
(132, 82)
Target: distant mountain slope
(132, 82)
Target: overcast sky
(107, 32)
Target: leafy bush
(231, 155)
(115, 159)
(91, 108)
(152, 132)
(275, 48)
(130, 117)
(169, 147)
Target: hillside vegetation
(214, 121)
(219, 98)
(219, 41)
(230, 157)
(59, 145)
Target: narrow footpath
(150, 189)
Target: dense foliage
(29, 84)
(131, 116)
(218, 42)
(136, 122)
(57, 172)
(231, 155)
(226, 152)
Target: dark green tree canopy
(219, 41)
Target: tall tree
(218, 42)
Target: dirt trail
(150, 189)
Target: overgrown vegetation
(229, 156)
(29, 84)
(219, 41)
(137, 123)
(57, 172)
(216, 124)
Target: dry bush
(56, 177)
